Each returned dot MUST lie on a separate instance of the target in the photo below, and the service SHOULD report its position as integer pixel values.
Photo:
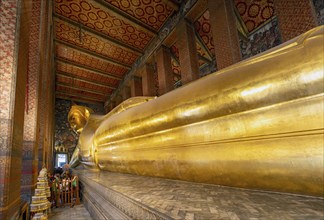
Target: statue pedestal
(125, 196)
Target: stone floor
(78, 212)
(185, 200)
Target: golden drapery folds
(257, 124)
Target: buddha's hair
(81, 110)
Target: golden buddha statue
(257, 124)
(78, 117)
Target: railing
(65, 193)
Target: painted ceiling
(97, 42)
(254, 13)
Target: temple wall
(24, 29)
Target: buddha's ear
(87, 113)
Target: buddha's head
(78, 117)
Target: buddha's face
(78, 117)
(77, 122)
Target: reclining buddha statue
(257, 124)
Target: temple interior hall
(162, 109)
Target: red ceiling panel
(203, 28)
(151, 12)
(94, 43)
(79, 93)
(101, 19)
(84, 59)
(255, 13)
(81, 84)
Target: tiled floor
(184, 200)
(78, 212)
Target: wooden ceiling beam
(80, 99)
(80, 96)
(204, 59)
(63, 95)
(70, 75)
(88, 68)
(98, 33)
(127, 17)
(171, 4)
(67, 85)
(197, 10)
(94, 54)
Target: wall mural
(64, 136)
(266, 37)
(257, 25)
(319, 9)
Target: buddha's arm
(257, 124)
(75, 158)
(129, 103)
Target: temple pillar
(148, 80)
(30, 146)
(50, 129)
(136, 86)
(225, 34)
(106, 108)
(14, 31)
(112, 105)
(46, 92)
(295, 17)
(188, 54)
(118, 99)
(164, 69)
(126, 92)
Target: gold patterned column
(295, 17)
(14, 30)
(164, 69)
(225, 34)
(188, 54)
(29, 154)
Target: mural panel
(319, 9)
(261, 40)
